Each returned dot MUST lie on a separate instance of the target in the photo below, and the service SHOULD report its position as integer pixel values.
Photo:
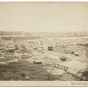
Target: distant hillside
(34, 35)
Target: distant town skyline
(43, 17)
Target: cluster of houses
(69, 45)
(6, 46)
(66, 44)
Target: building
(75, 68)
(76, 65)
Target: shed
(50, 47)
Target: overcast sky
(34, 17)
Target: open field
(24, 70)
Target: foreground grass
(24, 70)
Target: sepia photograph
(44, 42)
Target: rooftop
(74, 64)
(72, 71)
